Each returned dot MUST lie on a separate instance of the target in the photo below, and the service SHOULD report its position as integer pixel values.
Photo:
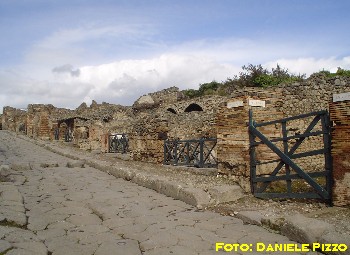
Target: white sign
(234, 104)
(259, 103)
(341, 97)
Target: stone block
(5, 170)
(148, 181)
(21, 167)
(250, 217)
(47, 165)
(76, 163)
(335, 237)
(170, 189)
(194, 196)
(226, 193)
(305, 230)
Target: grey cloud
(67, 69)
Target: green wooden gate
(291, 179)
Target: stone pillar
(233, 135)
(146, 139)
(104, 142)
(340, 115)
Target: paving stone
(11, 194)
(117, 222)
(59, 242)
(61, 225)
(75, 249)
(49, 234)
(172, 250)
(81, 220)
(18, 251)
(18, 235)
(119, 247)
(161, 239)
(4, 245)
(5, 230)
(35, 247)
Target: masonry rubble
(169, 114)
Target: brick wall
(340, 115)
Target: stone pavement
(50, 204)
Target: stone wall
(340, 115)
(38, 120)
(13, 119)
(207, 104)
(146, 139)
(158, 99)
(313, 94)
(151, 126)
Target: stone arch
(194, 107)
(171, 110)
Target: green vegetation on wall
(255, 76)
(339, 72)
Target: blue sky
(66, 52)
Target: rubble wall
(13, 119)
(38, 120)
(146, 139)
(313, 94)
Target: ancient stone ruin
(170, 115)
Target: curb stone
(305, 230)
(250, 217)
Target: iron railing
(118, 143)
(196, 152)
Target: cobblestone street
(52, 206)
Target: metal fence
(198, 153)
(118, 143)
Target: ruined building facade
(169, 114)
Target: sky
(71, 51)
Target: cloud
(311, 65)
(66, 69)
(124, 81)
(120, 82)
